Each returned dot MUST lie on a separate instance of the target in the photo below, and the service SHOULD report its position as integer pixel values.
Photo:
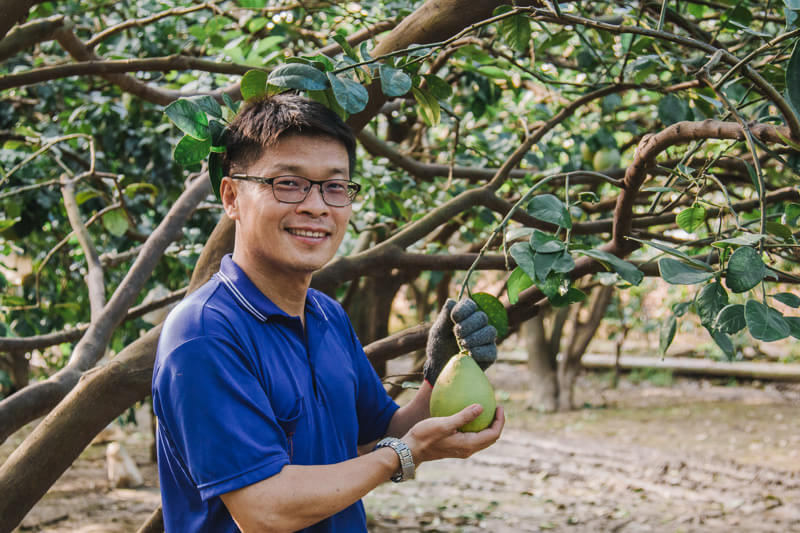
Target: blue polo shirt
(241, 390)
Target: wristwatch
(406, 471)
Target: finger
(465, 416)
(464, 308)
(484, 355)
(485, 335)
(471, 324)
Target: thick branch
(104, 67)
(14, 11)
(27, 35)
(680, 133)
(78, 50)
(37, 399)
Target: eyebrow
(295, 168)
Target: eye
(335, 186)
(290, 183)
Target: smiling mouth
(308, 233)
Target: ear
(229, 194)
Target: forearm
(411, 413)
(300, 496)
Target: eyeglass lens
(294, 189)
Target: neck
(287, 290)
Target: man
(264, 396)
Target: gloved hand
(462, 320)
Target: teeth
(306, 233)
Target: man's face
(289, 238)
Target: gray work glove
(462, 320)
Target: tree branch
(37, 399)
(94, 275)
(105, 67)
(29, 34)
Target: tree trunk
(370, 310)
(541, 364)
(582, 333)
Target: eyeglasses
(295, 189)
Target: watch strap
(407, 468)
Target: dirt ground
(655, 454)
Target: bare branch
(78, 50)
(108, 32)
(94, 275)
(109, 66)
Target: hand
(465, 322)
(438, 437)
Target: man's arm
(300, 496)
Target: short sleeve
(217, 416)
(374, 407)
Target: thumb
(465, 416)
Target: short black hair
(261, 123)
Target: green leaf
(746, 239)
(794, 325)
(672, 109)
(680, 308)
(674, 252)
(573, 295)
(141, 187)
(780, 231)
(792, 213)
(679, 273)
(523, 255)
(394, 82)
(116, 221)
(189, 118)
(428, 106)
(724, 342)
(788, 298)
(233, 106)
(745, 269)
(189, 151)
(626, 270)
(208, 104)
(709, 302)
(793, 78)
(548, 208)
(351, 95)
(439, 88)
(543, 263)
(516, 31)
(545, 243)
(730, 319)
(254, 85)
(765, 323)
(667, 333)
(215, 172)
(346, 48)
(86, 195)
(564, 263)
(517, 282)
(298, 76)
(495, 310)
(690, 219)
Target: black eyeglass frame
(353, 188)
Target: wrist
(404, 456)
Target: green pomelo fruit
(460, 384)
(606, 158)
(586, 154)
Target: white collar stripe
(319, 307)
(240, 297)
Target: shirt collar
(255, 302)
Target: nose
(313, 204)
